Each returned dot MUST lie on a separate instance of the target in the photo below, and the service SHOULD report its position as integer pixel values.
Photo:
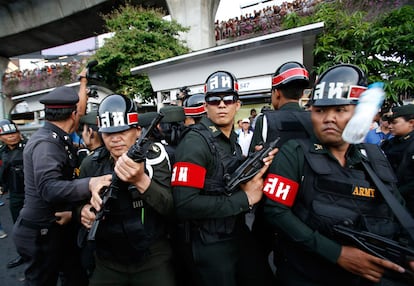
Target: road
(13, 276)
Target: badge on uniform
(280, 189)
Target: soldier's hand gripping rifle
(249, 168)
(378, 246)
(136, 152)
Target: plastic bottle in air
(368, 105)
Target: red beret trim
(288, 74)
(194, 110)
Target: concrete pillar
(3, 99)
(199, 15)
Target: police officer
(194, 108)
(11, 171)
(313, 184)
(288, 120)
(212, 228)
(400, 150)
(131, 241)
(43, 232)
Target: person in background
(316, 183)
(379, 134)
(131, 241)
(44, 233)
(245, 136)
(213, 238)
(194, 108)
(3, 234)
(400, 150)
(11, 171)
(252, 118)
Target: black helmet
(339, 85)
(117, 113)
(290, 72)
(7, 127)
(221, 82)
(194, 105)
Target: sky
(227, 9)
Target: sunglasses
(216, 100)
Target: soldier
(288, 120)
(194, 108)
(400, 150)
(43, 233)
(131, 241)
(212, 234)
(11, 171)
(312, 185)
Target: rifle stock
(378, 246)
(136, 152)
(249, 168)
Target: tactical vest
(287, 124)
(12, 169)
(330, 195)
(218, 229)
(131, 225)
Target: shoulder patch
(188, 175)
(280, 189)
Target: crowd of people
(266, 20)
(49, 76)
(151, 203)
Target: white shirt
(244, 140)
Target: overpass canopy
(252, 61)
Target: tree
(141, 36)
(375, 35)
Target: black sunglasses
(216, 100)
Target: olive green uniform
(313, 250)
(131, 242)
(212, 234)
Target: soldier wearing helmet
(132, 237)
(400, 150)
(212, 234)
(194, 108)
(315, 183)
(11, 171)
(288, 120)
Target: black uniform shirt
(49, 180)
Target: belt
(36, 226)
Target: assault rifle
(378, 246)
(136, 152)
(249, 168)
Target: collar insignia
(213, 128)
(318, 147)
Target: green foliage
(141, 36)
(378, 36)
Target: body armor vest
(287, 124)
(330, 194)
(218, 229)
(12, 169)
(131, 225)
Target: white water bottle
(368, 105)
